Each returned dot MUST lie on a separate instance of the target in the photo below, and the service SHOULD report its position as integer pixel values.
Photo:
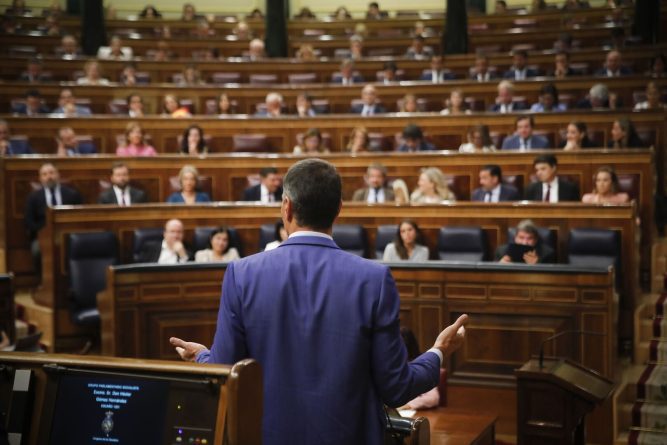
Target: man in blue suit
(68, 144)
(322, 323)
(519, 70)
(492, 188)
(524, 139)
(9, 146)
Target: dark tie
(53, 201)
(377, 195)
(547, 196)
(122, 197)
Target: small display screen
(105, 410)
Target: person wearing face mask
(220, 248)
(605, 188)
(408, 244)
(377, 191)
(120, 192)
(526, 235)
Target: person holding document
(526, 247)
(323, 324)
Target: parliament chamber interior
(505, 159)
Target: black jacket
(254, 193)
(109, 197)
(567, 191)
(35, 207)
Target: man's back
(324, 326)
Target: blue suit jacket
(19, 147)
(323, 324)
(537, 142)
(530, 72)
(177, 198)
(507, 193)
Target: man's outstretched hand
(452, 337)
(186, 349)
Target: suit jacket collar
(310, 241)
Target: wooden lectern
(553, 400)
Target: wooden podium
(552, 401)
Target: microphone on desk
(560, 334)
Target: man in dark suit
(375, 13)
(413, 139)
(436, 74)
(32, 106)
(68, 107)
(273, 105)
(377, 191)
(562, 66)
(51, 194)
(347, 75)
(418, 51)
(268, 190)
(120, 192)
(492, 188)
(505, 100)
(524, 139)
(613, 67)
(169, 250)
(34, 73)
(519, 70)
(69, 145)
(368, 105)
(9, 146)
(528, 235)
(327, 369)
(549, 187)
(480, 72)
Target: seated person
(369, 105)
(280, 236)
(389, 70)
(189, 13)
(562, 67)
(431, 188)
(479, 140)
(120, 192)
(52, 193)
(69, 145)
(524, 139)
(274, 104)
(576, 137)
(34, 72)
(220, 249)
(135, 143)
(501, 7)
(417, 50)
(401, 192)
(33, 105)
(408, 104)
(549, 187)
(224, 105)
(188, 177)
(150, 12)
(304, 105)
(436, 73)
(128, 77)
(505, 100)
(306, 53)
(613, 66)
(598, 98)
(115, 50)
(658, 67)
(256, 50)
(408, 244)
(359, 140)
(526, 235)
(170, 250)
(413, 140)
(653, 100)
(135, 105)
(341, 13)
(190, 76)
(69, 47)
(480, 72)
(624, 135)
(519, 70)
(311, 143)
(193, 142)
(548, 101)
(356, 47)
(268, 190)
(10, 147)
(242, 31)
(375, 13)
(67, 106)
(347, 74)
(92, 74)
(172, 107)
(377, 190)
(455, 104)
(492, 188)
(605, 188)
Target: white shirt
(310, 233)
(368, 110)
(519, 74)
(524, 144)
(553, 193)
(506, 108)
(58, 196)
(483, 77)
(493, 196)
(265, 196)
(168, 256)
(375, 195)
(124, 193)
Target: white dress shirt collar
(553, 193)
(125, 194)
(310, 233)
